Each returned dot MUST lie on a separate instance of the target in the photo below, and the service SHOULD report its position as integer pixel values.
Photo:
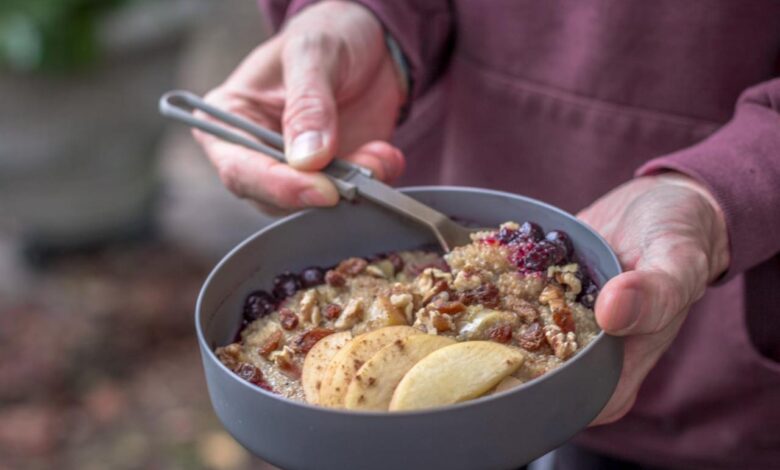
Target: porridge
(414, 329)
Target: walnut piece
(284, 360)
(352, 314)
(564, 344)
(308, 305)
(405, 303)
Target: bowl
(500, 431)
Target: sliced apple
(454, 374)
(374, 384)
(352, 356)
(508, 383)
(316, 363)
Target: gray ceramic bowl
(501, 431)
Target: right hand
(328, 82)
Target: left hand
(671, 238)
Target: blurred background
(110, 219)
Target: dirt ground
(100, 368)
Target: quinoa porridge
(516, 287)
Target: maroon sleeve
(740, 164)
(422, 28)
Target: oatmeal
(516, 287)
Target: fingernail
(304, 147)
(627, 311)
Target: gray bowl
(500, 431)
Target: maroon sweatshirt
(563, 100)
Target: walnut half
(564, 344)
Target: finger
(386, 161)
(258, 177)
(639, 302)
(310, 115)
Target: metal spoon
(350, 180)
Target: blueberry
(588, 295)
(257, 305)
(531, 231)
(561, 239)
(312, 276)
(286, 285)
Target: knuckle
(307, 108)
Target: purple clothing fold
(562, 100)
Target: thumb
(310, 115)
(640, 302)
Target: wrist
(714, 224)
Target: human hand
(329, 83)
(670, 236)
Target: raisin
(288, 319)
(449, 307)
(441, 324)
(564, 319)
(486, 294)
(271, 344)
(306, 340)
(335, 279)
(532, 338)
(332, 311)
(252, 375)
(352, 266)
(500, 333)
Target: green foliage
(50, 35)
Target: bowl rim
(204, 346)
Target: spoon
(350, 180)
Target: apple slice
(352, 356)
(374, 384)
(316, 363)
(454, 374)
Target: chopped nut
(467, 279)
(532, 338)
(308, 304)
(306, 340)
(271, 344)
(375, 271)
(352, 313)
(284, 360)
(335, 279)
(404, 302)
(431, 282)
(288, 319)
(552, 295)
(564, 344)
(352, 266)
(229, 355)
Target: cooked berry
(531, 231)
(286, 285)
(507, 235)
(257, 305)
(540, 256)
(313, 276)
(561, 239)
(588, 295)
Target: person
(664, 116)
